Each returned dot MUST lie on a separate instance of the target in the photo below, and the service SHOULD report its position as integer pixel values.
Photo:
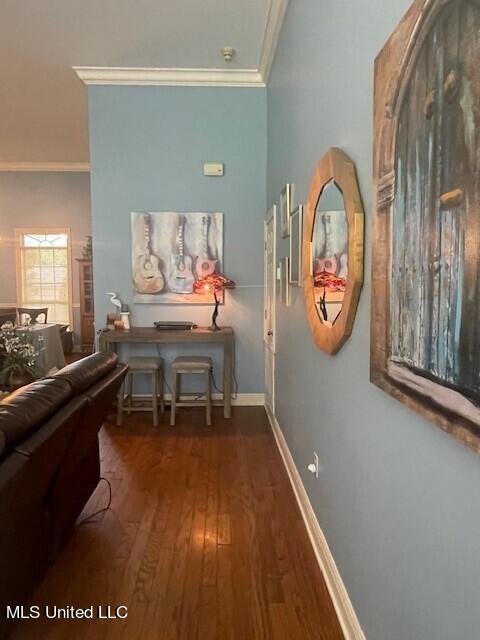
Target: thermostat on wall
(213, 169)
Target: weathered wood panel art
(426, 294)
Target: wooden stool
(191, 364)
(148, 366)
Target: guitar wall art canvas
(170, 251)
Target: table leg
(227, 377)
(102, 342)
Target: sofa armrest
(52, 439)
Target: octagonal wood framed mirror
(333, 250)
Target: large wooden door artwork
(427, 167)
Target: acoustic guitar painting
(204, 265)
(171, 251)
(147, 275)
(181, 276)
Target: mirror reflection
(330, 253)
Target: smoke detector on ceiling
(228, 53)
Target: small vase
(17, 380)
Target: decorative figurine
(115, 300)
(125, 316)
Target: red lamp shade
(326, 280)
(215, 282)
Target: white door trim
(269, 311)
(271, 217)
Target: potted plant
(17, 356)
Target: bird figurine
(115, 300)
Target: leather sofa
(49, 466)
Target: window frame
(25, 231)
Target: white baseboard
(240, 400)
(343, 606)
(246, 399)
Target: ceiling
(43, 102)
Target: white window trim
(22, 231)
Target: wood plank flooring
(204, 540)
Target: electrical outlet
(314, 466)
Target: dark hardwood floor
(204, 540)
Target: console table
(110, 338)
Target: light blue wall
(397, 498)
(147, 146)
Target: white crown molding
(345, 612)
(275, 18)
(197, 77)
(170, 77)
(75, 167)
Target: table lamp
(216, 283)
(326, 280)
